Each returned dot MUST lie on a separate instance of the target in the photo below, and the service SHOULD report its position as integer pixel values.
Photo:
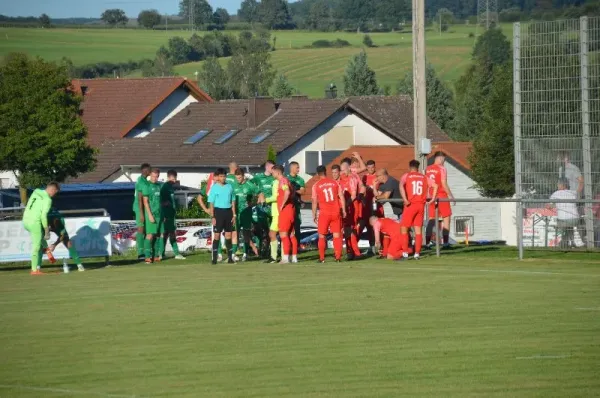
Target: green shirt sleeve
(46, 205)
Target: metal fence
(557, 111)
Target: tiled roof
(291, 120)
(113, 107)
(395, 158)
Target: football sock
(294, 244)
(173, 242)
(229, 250)
(322, 246)
(337, 247)
(159, 247)
(446, 236)
(429, 231)
(404, 242)
(148, 248)
(418, 243)
(139, 242)
(274, 250)
(216, 247)
(74, 255)
(285, 247)
(354, 242)
(234, 248)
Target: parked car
(204, 238)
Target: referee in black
(222, 210)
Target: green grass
(309, 70)
(467, 324)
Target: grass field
(463, 325)
(309, 70)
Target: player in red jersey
(391, 229)
(437, 173)
(414, 188)
(287, 216)
(351, 185)
(372, 207)
(329, 198)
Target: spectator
(389, 188)
(567, 214)
(571, 173)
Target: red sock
(418, 243)
(285, 246)
(404, 242)
(294, 244)
(386, 244)
(354, 242)
(337, 247)
(322, 246)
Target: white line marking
(499, 271)
(545, 357)
(64, 391)
(587, 309)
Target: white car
(204, 238)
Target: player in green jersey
(154, 217)
(138, 209)
(56, 224)
(167, 197)
(265, 183)
(35, 221)
(231, 179)
(246, 194)
(300, 187)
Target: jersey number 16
(417, 187)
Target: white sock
(294, 258)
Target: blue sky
(93, 8)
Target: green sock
(148, 248)
(139, 242)
(274, 250)
(174, 246)
(159, 246)
(74, 255)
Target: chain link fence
(557, 114)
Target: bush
(471, 35)
(329, 44)
(367, 41)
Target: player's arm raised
(361, 163)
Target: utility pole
(191, 11)
(419, 91)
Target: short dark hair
(145, 166)
(220, 172)
(278, 167)
(239, 172)
(414, 164)
(54, 184)
(172, 173)
(563, 181)
(439, 153)
(270, 162)
(347, 160)
(156, 170)
(335, 167)
(294, 163)
(370, 163)
(321, 170)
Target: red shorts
(329, 223)
(395, 247)
(413, 215)
(444, 210)
(286, 220)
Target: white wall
(364, 134)
(172, 105)
(508, 223)
(7, 179)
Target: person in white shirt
(567, 214)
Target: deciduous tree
(45, 21)
(282, 88)
(149, 18)
(203, 12)
(114, 17)
(360, 79)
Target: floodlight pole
(419, 88)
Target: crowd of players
(344, 204)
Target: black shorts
(223, 219)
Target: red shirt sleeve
(403, 179)
(377, 228)
(443, 173)
(314, 192)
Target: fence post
(517, 131)
(437, 228)
(585, 129)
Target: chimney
(83, 89)
(299, 97)
(260, 108)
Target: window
(328, 156)
(311, 161)
(196, 137)
(225, 137)
(262, 136)
(464, 224)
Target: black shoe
(349, 257)
(214, 261)
(321, 261)
(230, 261)
(271, 261)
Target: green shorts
(138, 222)
(155, 228)
(169, 225)
(244, 220)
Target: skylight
(222, 139)
(196, 137)
(261, 137)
